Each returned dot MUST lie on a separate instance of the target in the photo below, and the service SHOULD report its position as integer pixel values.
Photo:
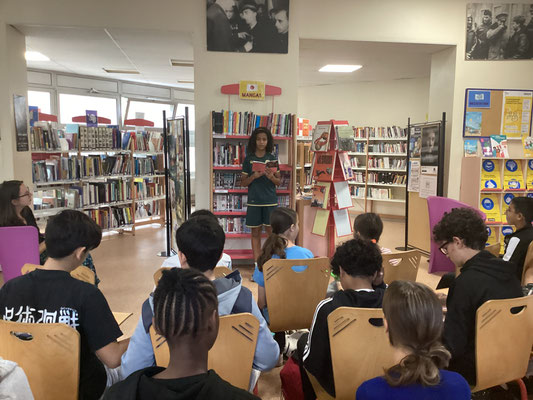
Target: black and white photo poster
(21, 122)
(430, 146)
(248, 26)
(499, 31)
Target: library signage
(252, 90)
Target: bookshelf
(304, 158)
(489, 184)
(230, 132)
(100, 171)
(379, 163)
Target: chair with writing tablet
(494, 249)
(231, 356)
(497, 360)
(81, 273)
(293, 290)
(49, 354)
(219, 271)
(401, 266)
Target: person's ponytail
(275, 244)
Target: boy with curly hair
(462, 234)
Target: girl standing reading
(261, 182)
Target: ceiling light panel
(340, 68)
(181, 63)
(121, 71)
(35, 56)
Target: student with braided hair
(200, 242)
(186, 314)
(413, 318)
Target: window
(73, 105)
(147, 110)
(41, 100)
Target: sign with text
(251, 90)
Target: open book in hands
(260, 166)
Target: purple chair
(437, 206)
(18, 245)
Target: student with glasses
(462, 235)
(16, 200)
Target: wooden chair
(49, 354)
(292, 296)
(233, 352)
(82, 272)
(404, 270)
(527, 271)
(494, 249)
(498, 362)
(222, 271)
(158, 273)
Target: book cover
(491, 174)
(486, 147)
(470, 147)
(321, 195)
(529, 175)
(499, 146)
(507, 198)
(321, 138)
(490, 205)
(324, 166)
(260, 166)
(527, 143)
(473, 123)
(346, 166)
(342, 193)
(493, 235)
(506, 231)
(345, 138)
(321, 222)
(513, 178)
(343, 224)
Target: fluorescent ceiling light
(120, 71)
(185, 81)
(181, 63)
(339, 68)
(35, 56)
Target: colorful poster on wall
(529, 175)
(251, 90)
(473, 123)
(491, 174)
(91, 118)
(527, 143)
(479, 99)
(21, 122)
(490, 205)
(516, 113)
(414, 176)
(507, 198)
(493, 235)
(513, 177)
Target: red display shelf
(240, 254)
(230, 213)
(246, 137)
(282, 167)
(244, 191)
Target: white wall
(380, 103)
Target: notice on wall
(414, 176)
(342, 222)
(21, 122)
(516, 113)
(428, 186)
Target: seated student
(50, 294)
(200, 242)
(174, 261)
(357, 262)
(185, 313)
(462, 235)
(413, 319)
(280, 244)
(519, 214)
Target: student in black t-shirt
(51, 295)
(357, 263)
(519, 214)
(186, 314)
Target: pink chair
(437, 206)
(18, 245)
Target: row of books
(147, 166)
(55, 168)
(230, 202)
(99, 138)
(243, 123)
(378, 193)
(389, 132)
(147, 141)
(45, 137)
(357, 191)
(388, 147)
(92, 166)
(113, 217)
(234, 225)
(55, 198)
(387, 177)
(147, 209)
(225, 154)
(360, 147)
(110, 191)
(146, 189)
(387, 163)
(227, 180)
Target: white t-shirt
(225, 261)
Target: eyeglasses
(443, 248)
(25, 194)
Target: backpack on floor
(291, 381)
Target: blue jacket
(232, 298)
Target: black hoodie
(484, 277)
(141, 386)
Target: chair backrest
(497, 362)
(494, 249)
(292, 296)
(437, 206)
(159, 273)
(81, 273)
(221, 271)
(527, 271)
(18, 245)
(49, 354)
(404, 269)
(231, 356)
(359, 349)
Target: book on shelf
(499, 146)
(471, 147)
(227, 122)
(113, 217)
(234, 225)
(345, 136)
(346, 166)
(388, 132)
(227, 180)
(145, 166)
(527, 143)
(44, 137)
(490, 205)
(321, 195)
(261, 166)
(389, 148)
(486, 148)
(378, 193)
(324, 166)
(513, 177)
(321, 137)
(357, 191)
(342, 194)
(343, 225)
(491, 174)
(55, 168)
(150, 141)
(230, 202)
(303, 127)
(226, 154)
(145, 189)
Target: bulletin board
(497, 112)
